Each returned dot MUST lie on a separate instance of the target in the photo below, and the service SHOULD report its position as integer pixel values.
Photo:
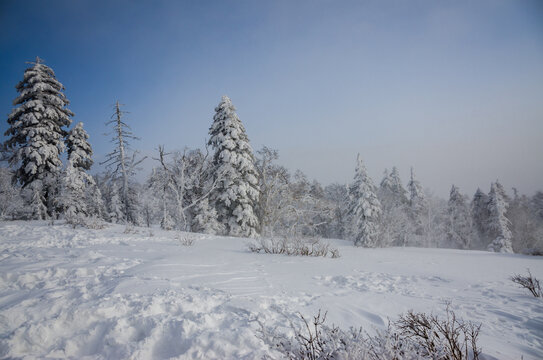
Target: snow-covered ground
(110, 294)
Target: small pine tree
(458, 224)
(236, 195)
(37, 129)
(365, 208)
(498, 224)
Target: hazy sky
(453, 88)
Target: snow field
(109, 294)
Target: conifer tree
(37, 127)
(458, 224)
(77, 186)
(236, 194)
(418, 206)
(365, 208)
(480, 214)
(498, 224)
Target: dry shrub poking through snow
(413, 336)
(293, 246)
(529, 282)
(186, 239)
(435, 338)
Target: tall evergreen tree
(480, 214)
(236, 195)
(37, 128)
(498, 224)
(458, 224)
(418, 206)
(365, 208)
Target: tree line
(227, 189)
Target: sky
(452, 88)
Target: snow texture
(140, 294)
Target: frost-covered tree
(498, 224)
(526, 226)
(79, 148)
(458, 224)
(184, 181)
(205, 219)
(236, 195)
(395, 223)
(123, 165)
(36, 130)
(337, 195)
(11, 201)
(37, 201)
(480, 214)
(115, 213)
(365, 208)
(537, 203)
(418, 206)
(273, 183)
(79, 196)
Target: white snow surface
(82, 293)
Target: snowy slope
(109, 294)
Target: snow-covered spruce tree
(123, 165)
(458, 224)
(418, 206)
(365, 208)
(498, 224)
(77, 187)
(37, 128)
(236, 194)
(480, 214)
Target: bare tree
(122, 164)
(186, 178)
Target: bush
(186, 239)
(529, 282)
(293, 246)
(413, 336)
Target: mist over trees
(226, 188)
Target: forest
(226, 188)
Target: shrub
(185, 239)
(529, 282)
(413, 336)
(293, 246)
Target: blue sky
(453, 88)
